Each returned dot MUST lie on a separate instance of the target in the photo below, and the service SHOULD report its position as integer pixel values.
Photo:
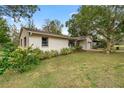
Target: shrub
(4, 61)
(47, 54)
(22, 59)
(66, 51)
(37, 52)
(50, 54)
(78, 48)
(40, 54)
(4, 64)
(54, 53)
(10, 46)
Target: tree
(14, 35)
(53, 26)
(30, 24)
(106, 21)
(18, 11)
(4, 29)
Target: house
(48, 41)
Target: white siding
(53, 43)
(89, 43)
(86, 44)
(58, 43)
(35, 41)
(83, 44)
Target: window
(24, 41)
(71, 44)
(44, 41)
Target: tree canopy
(106, 21)
(18, 11)
(4, 29)
(30, 24)
(53, 26)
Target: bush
(23, 59)
(4, 64)
(38, 53)
(10, 46)
(4, 61)
(47, 54)
(54, 53)
(78, 48)
(66, 51)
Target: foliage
(83, 69)
(3, 65)
(53, 26)
(18, 11)
(14, 35)
(54, 53)
(37, 52)
(106, 21)
(23, 59)
(30, 24)
(47, 54)
(4, 29)
(10, 46)
(66, 51)
(78, 48)
(5, 61)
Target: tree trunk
(109, 47)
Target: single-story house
(48, 41)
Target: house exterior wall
(53, 43)
(23, 35)
(86, 44)
(83, 44)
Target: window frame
(47, 42)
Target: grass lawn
(84, 69)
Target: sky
(59, 12)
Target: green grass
(84, 69)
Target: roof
(79, 38)
(41, 32)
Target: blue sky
(59, 12)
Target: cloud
(64, 31)
(72, 13)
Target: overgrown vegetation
(66, 51)
(4, 30)
(21, 60)
(80, 69)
